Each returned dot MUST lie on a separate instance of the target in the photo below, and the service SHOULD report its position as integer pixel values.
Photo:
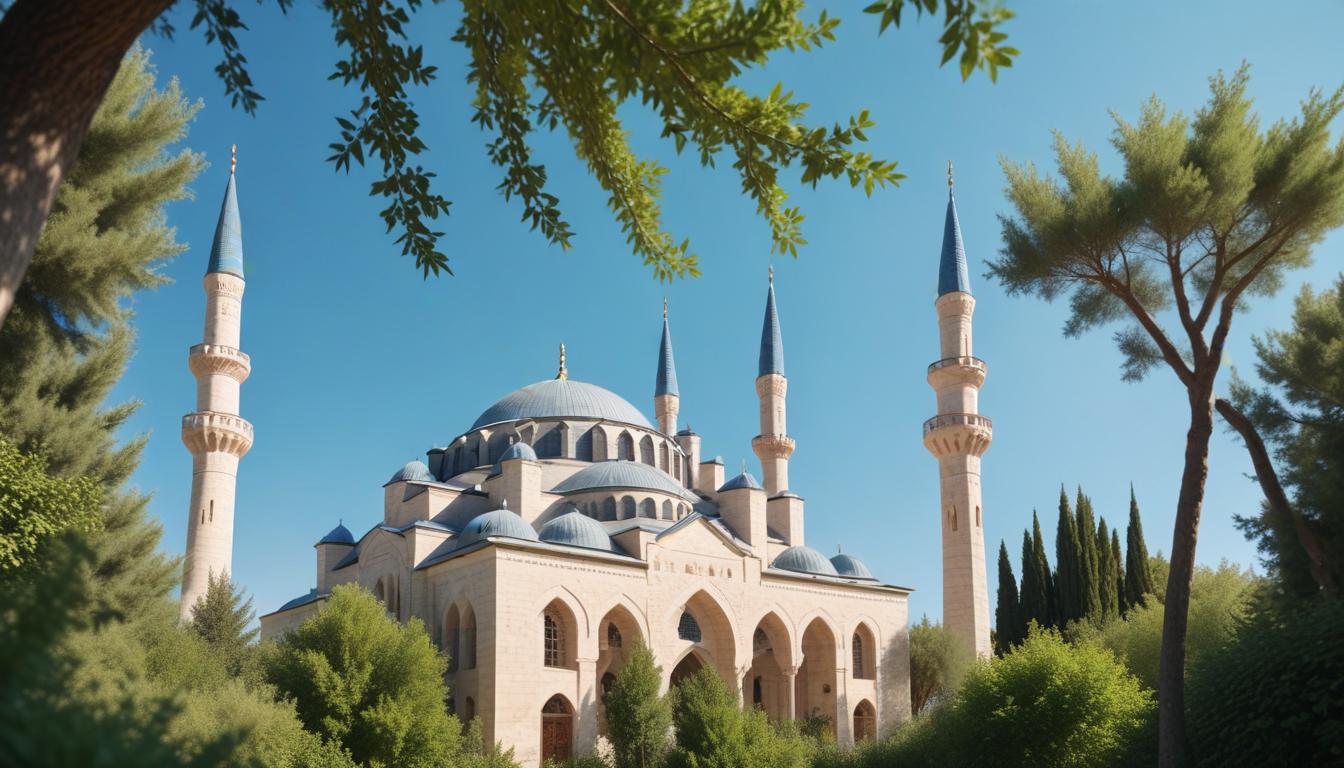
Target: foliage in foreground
(938, 662)
(638, 718)
(360, 678)
(713, 731)
(35, 508)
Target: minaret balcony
(208, 359)
(773, 446)
(208, 431)
(957, 370)
(958, 433)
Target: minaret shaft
(215, 434)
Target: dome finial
(233, 157)
(664, 307)
(564, 373)
(949, 175)
(772, 274)
(505, 504)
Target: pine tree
(1138, 579)
(67, 340)
(1089, 591)
(221, 617)
(1007, 624)
(1118, 558)
(1068, 574)
(1107, 569)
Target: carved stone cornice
(224, 284)
(957, 370)
(207, 431)
(207, 359)
(773, 446)
(772, 384)
(951, 434)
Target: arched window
(555, 641)
(625, 447)
(865, 722)
(864, 649)
(599, 444)
(452, 634)
(583, 449)
(548, 445)
(608, 508)
(756, 697)
(760, 642)
(648, 508)
(662, 456)
(688, 628)
(467, 645)
(682, 511)
(646, 450)
(667, 510)
(857, 647)
(628, 508)
(613, 636)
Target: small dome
(620, 474)
(576, 530)
(501, 522)
(514, 451)
(744, 480)
(558, 398)
(338, 535)
(851, 566)
(414, 470)
(804, 560)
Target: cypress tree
(67, 339)
(1089, 588)
(1107, 568)
(1035, 578)
(1138, 579)
(1043, 570)
(1068, 579)
(1007, 632)
(1118, 558)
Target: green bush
(638, 718)
(1274, 695)
(713, 731)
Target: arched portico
(768, 684)
(702, 625)
(816, 687)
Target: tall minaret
(773, 446)
(215, 434)
(666, 400)
(958, 436)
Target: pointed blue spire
(772, 343)
(226, 255)
(952, 273)
(667, 367)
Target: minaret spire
(958, 436)
(773, 446)
(215, 434)
(666, 397)
(563, 374)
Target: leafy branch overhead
(571, 64)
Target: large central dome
(560, 398)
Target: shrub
(1274, 695)
(713, 731)
(938, 661)
(638, 718)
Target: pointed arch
(625, 446)
(865, 721)
(452, 633)
(765, 685)
(662, 457)
(667, 509)
(717, 623)
(608, 509)
(599, 443)
(648, 508)
(816, 684)
(467, 638)
(863, 653)
(629, 509)
(583, 448)
(646, 451)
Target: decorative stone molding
(958, 433)
(957, 370)
(773, 446)
(208, 431)
(772, 384)
(224, 284)
(207, 359)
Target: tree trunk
(1171, 668)
(57, 58)
(1307, 538)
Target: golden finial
(772, 274)
(233, 157)
(949, 175)
(664, 307)
(563, 374)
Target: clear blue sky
(360, 365)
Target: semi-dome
(851, 567)
(503, 523)
(576, 530)
(804, 559)
(338, 535)
(620, 474)
(559, 398)
(514, 451)
(414, 470)
(744, 480)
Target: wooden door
(555, 738)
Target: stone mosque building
(563, 526)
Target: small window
(688, 628)
(858, 656)
(625, 447)
(608, 509)
(628, 508)
(608, 682)
(613, 636)
(760, 642)
(648, 508)
(977, 517)
(667, 510)
(756, 696)
(555, 642)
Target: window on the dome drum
(609, 509)
(667, 510)
(628, 508)
(688, 628)
(554, 640)
(648, 508)
(548, 446)
(625, 447)
(682, 511)
(646, 450)
(583, 449)
(662, 457)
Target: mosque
(563, 526)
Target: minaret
(773, 446)
(666, 400)
(215, 434)
(958, 436)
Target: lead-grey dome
(743, 480)
(576, 530)
(558, 398)
(804, 559)
(414, 470)
(502, 523)
(851, 566)
(514, 451)
(621, 474)
(338, 535)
